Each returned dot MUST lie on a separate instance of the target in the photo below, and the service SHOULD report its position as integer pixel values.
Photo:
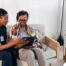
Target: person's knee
(25, 54)
(39, 52)
(30, 53)
(30, 56)
(22, 54)
(6, 55)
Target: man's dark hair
(20, 13)
(3, 12)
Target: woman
(21, 30)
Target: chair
(53, 46)
(53, 50)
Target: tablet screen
(30, 39)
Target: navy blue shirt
(3, 40)
(3, 35)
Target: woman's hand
(20, 45)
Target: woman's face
(22, 20)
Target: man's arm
(12, 43)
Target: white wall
(45, 12)
(64, 20)
(64, 17)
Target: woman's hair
(20, 13)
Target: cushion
(39, 27)
(49, 53)
(25, 63)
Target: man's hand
(20, 45)
(13, 43)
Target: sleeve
(13, 32)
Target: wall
(64, 20)
(45, 12)
(64, 17)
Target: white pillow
(39, 35)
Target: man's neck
(22, 26)
(2, 25)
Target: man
(21, 30)
(8, 54)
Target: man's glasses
(22, 20)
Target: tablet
(30, 39)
